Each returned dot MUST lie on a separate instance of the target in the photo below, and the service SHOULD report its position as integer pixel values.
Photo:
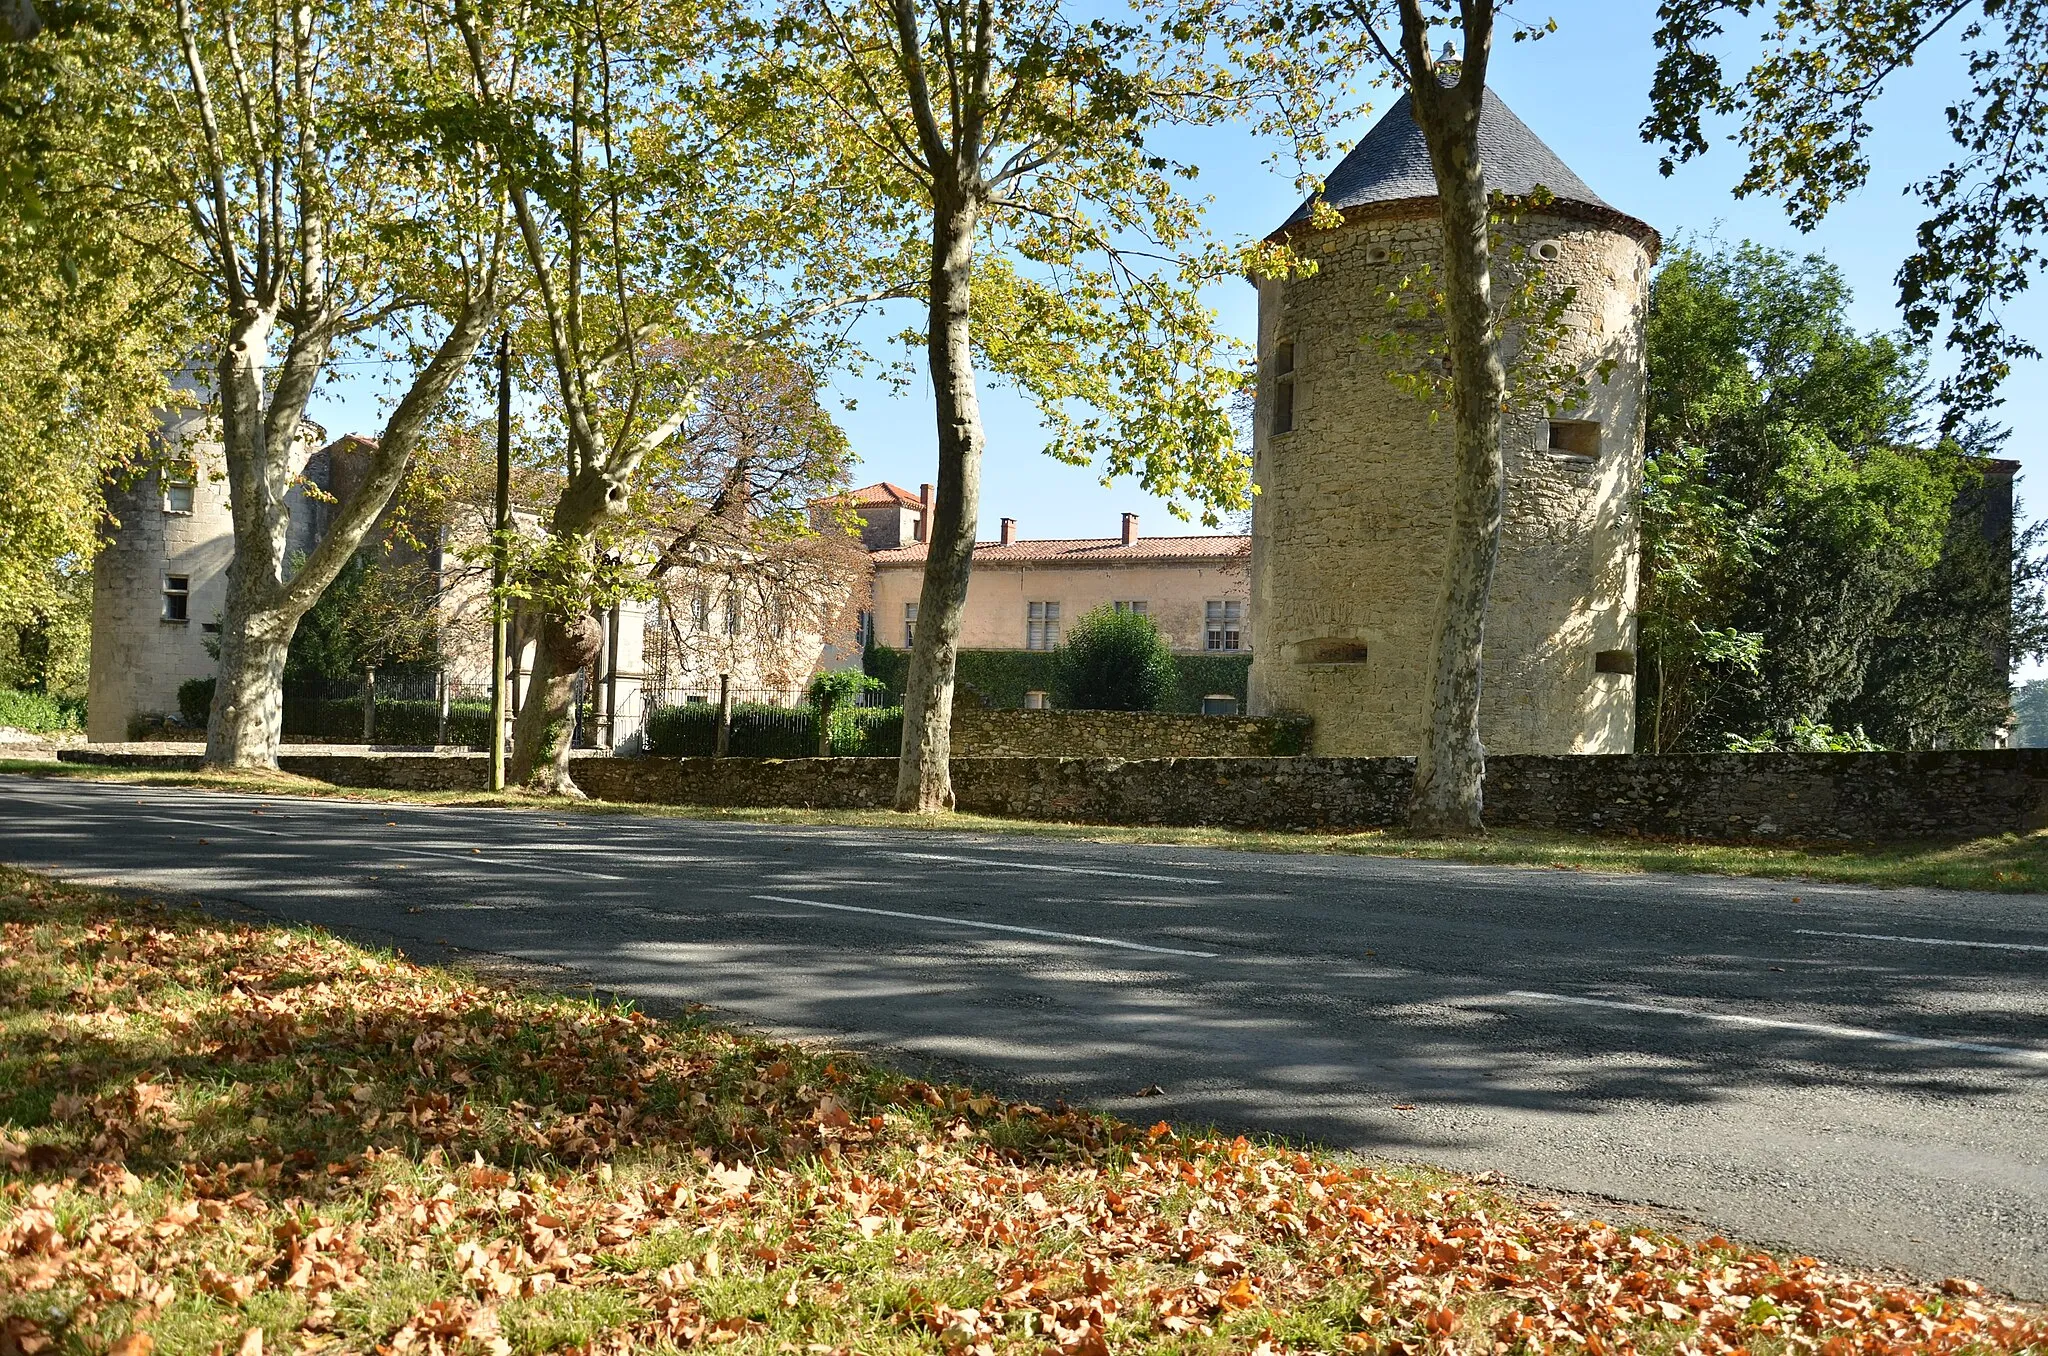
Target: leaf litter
(217, 1139)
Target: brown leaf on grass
(23, 1336)
(252, 1343)
(134, 1344)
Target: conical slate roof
(1391, 163)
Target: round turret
(1350, 529)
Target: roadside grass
(2005, 863)
(217, 1137)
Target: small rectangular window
(732, 616)
(181, 479)
(1037, 701)
(177, 597)
(1041, 626)
(1575, 437)
(1223, 624)
(1137, 606)
(700, 611)
(1615, 661)
(909, 625)
(864, 628)
(1283, 386)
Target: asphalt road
(1861, 1074)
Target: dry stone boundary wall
(1727, 797)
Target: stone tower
(1351, 525)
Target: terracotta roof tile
(1084, 551)
(882, 492)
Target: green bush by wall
(760, 730)
(1002, 677)
(40, 713)
(340, 719)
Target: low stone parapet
(1724, 797)
(984, 733)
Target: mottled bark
(1450, 771)
(924, 783)
(541, 734)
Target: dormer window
(1283, 386)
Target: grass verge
(216, 1137)
(2005, 863)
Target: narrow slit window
(1614, 661)
(1283, 386)
(909, 625)
(1575, 437)
(177, 597)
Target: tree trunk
(541, 735)
(1450, 773)
(247, 719)
(924, 783)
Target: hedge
(340, 719)
(761, 730)
(1002, 677)
(40, 713)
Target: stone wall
(1729, 797)
(982, 733)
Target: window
(177, 597)
(181, 478)
(1219, 704)
(1225, 624)
(1575, 437)
(732, 615)
(1041, 626)
(700, 611)
(909, 625)
(1283, 386)
(864, 628)
(1037, 701)
(1136, 606)
(1614, 661)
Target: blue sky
(1583, 90)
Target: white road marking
(1851, 1033)
(1921, 941)
(992, 927)
(1045, 866)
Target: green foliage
(1000, 678)
(378, 613)
(1115, 661)
(1804, 110)
(1798, 541)
(1805, 736)
(2030, 715)
(839, 688)
(39, 712)
(759, 730)
(195, 700)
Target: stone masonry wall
(982, 733)
(1351, 523)
(1729, 797)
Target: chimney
(1009, 531)
(1130, 529)
(924, 513)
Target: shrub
(195, 701)
(1002, 677)
(40, 713)
(1806, 736)
(759, 730)
(1115, 661)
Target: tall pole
(501, 518)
